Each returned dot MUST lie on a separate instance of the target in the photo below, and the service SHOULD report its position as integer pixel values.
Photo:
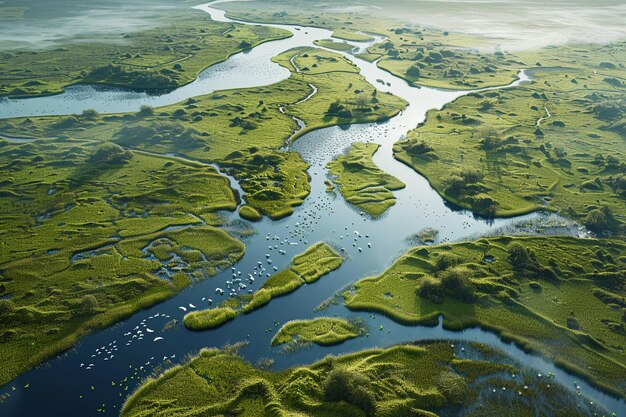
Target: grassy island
(324, 331)
(306, 268)
(557, 296)
(361, 182)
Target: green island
(361, 182)
(408, 380)
(167, 56)
(558, 296)
(305, 268)
(323, 331)
(556, 143)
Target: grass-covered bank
(414, 380)
(164, 57)
(305, 268)
(361, 182)
(560, 297)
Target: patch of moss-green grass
(249, 213)
(422, 380)
(324, 331)
(163, 57)
(208, 319)
(361, 182)
(556, 144)
(306, 268)
(558, 296)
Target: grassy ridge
(399, 381)
(306, 268)
(361, 182)
(561, 297)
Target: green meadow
(556, 143)
(361, 182)
(560, 297)
(423, 380)
(165, 57)
(305, 268)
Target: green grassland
(558, 296)
(164, 57)
(414, 381)
(361, 182)
(84, 230)
(306, 268)
(343, 95)
(556, 143)
(422, 56)
(324, 331)
(241, 130)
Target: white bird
(182, 308)
(157, 338)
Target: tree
(413, 71)
(361, 101)
(146, 110)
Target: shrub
(453, 387)
(6, 307)
(456, 283)
(146, 110)
(110, 153)
(89, 304)
(518, 255)
(430, 289)
(350, 386)
(446, 260)
(413, 71)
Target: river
(63, 386)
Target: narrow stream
(106, 366)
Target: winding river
(95, 377)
